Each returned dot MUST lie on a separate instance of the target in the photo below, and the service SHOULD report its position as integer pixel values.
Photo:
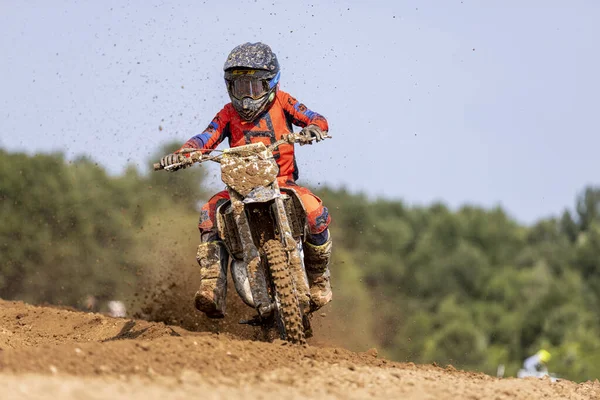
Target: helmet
(545, 356)
(252, 78)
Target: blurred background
(462, 177)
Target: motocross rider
(260, 112)
(537, 362)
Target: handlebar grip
(157, 167)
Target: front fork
(294, 253)
(256, 273)
(251, 257)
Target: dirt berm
(52, 353)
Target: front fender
(261, 194)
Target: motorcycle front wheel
(288, 315)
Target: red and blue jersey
(267, 128)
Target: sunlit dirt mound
(48, 353)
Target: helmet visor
(248, 86)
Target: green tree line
(70, 230)
(472, 287)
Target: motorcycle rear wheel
(288, 314)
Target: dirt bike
(523, 373)
(262, 227)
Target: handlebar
(191, 155)
(195, 155)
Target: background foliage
(470, 287)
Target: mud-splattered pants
(317, 215)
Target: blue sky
(480, 102)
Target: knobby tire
(289, 311)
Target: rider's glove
(170, 159)
(312, 131)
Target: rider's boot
(210, 297)
(316, 260)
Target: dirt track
(48, 353)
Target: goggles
(247, 84)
